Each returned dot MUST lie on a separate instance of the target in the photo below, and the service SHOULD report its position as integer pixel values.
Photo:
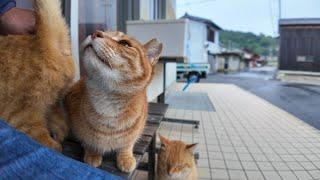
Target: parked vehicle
(187, 71)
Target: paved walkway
(246, 137)
(301, 100)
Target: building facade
(208, 43)
(299, 45)
(229, 62)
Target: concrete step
(302, 77)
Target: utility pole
(280, 14)
(280, 9)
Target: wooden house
(299, 45)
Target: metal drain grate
(189, 101)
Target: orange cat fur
(108, 109)
(176, 160)
(35, 70)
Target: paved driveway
(301, 100)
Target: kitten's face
(117, 60)
(176, 158)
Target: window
(147, 9)
(157, 9)
(307, 58)
(211, 35)
(96, 15)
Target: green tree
(260, 44)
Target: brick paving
(246, 137)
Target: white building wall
(171, 73)
(160, 31)
(196, 49)
(172, 33)
(234, 64)
(221, 61)
(217, 39)
(156, 86)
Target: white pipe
(74, 32)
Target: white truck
(185, 38)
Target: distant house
(300, 45)
(212, 32)
(211, 39)
(250, 58)
(229, 61)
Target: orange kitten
(108, 110)
(176, 160)
(35, 71)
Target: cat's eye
(125, 43)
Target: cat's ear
(191, 147)
(164, 141)
(153, 50)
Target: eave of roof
(299, 21)
(202, 20)
(229, 54)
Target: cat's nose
(97, 34)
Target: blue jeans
(23, 158)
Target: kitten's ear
(164, 141)
(191, 147)
(153, 49)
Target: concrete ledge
(302, 77)
(306, 73)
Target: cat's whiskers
(110, 54)
(103, 55)
(112, 51)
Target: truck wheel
(198, 78)
(189, 77)
(204, 75)
(195, 74)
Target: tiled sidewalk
(247, 137)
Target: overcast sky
(258, 16)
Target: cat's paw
(93, 160)
(58, 136)
(50, 143)
(126, 164)
(58, 127)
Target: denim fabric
(6, 5)
(23, 158)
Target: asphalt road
(301, 100)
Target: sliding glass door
(96, 15)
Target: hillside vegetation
(261, 44)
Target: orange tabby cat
(35, 70)
(108, 110)
(176, 160)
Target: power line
(272, 19)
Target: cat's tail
(51, 28)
